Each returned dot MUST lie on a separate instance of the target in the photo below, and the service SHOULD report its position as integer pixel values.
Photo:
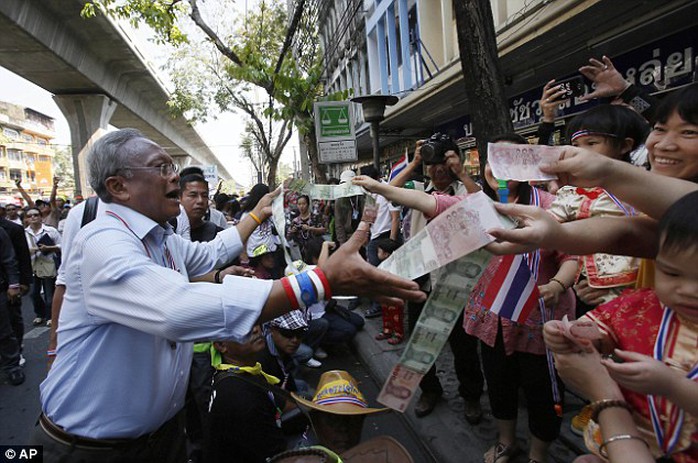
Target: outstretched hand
(263, 208)
(580, 167)
(609, 82)
(367, 183)
(536, 229)
(549, 100)
(349, 274)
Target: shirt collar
(451, 189)
(138, 223)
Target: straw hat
(338, 393)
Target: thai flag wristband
(325, 282)
(308, 293)
(290, 294)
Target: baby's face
(676, 280)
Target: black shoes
(473, 411)
(16, 377)
(373, 312)
(426, 403)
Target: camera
(434, 149)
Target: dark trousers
(466, 361)
(42, 305)
(165, 445)
(343, 325)
(16, 321)
(9, 347)
(507, 373)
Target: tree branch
(199, 21)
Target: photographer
(447, 175)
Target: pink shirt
(480, 322)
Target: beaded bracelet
(601, 405)
(602, 447)
(564, 288)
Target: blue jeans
(342, 329)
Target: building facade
(25, 151)
(411, 51)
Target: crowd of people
(206, 328)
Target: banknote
(400, 387)
(332, 192)
(278, 218)
(454, 233)
(454, 283)
(521, 162)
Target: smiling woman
(673, 142)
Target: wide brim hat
(338, 393)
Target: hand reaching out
(585, 373)
(536, 228)
(609, 82)
(367, 183)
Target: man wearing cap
(337, 410)
(284, 336)
(130, 314)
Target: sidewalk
(445, 432)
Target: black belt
(61, 435)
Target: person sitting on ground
(342, 324)
(393, 314)
(284, 336)
(653, 333)
(244, 415)
(337, 410)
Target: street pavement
(20, 408)
(444, 436)
(449, 437)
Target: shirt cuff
(243, 299)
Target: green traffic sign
(334, 121)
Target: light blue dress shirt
(128, 322)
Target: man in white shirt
(130, 314)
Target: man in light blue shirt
(130, 314)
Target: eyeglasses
(165, 169)
(299, 333)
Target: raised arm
(649, 193)
(413, 199)
(401, 178)
(625, 236)
(23, 192)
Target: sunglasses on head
(299, 333)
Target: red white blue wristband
(325, 283)
(308, 292)
(285, 282)
(319, 288)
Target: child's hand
(641, 373)
(557, 342)
(366, 183)
(585, 373)
(589, 295)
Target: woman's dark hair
(254, 196)
(306, 197)
(678, 228)
(220, 199)
(684, 101)
(387, 245)
(524, 188)
(312, 249)
(617, 120)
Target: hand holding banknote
(367, 183)
(564, 337)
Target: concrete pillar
(86, 115)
